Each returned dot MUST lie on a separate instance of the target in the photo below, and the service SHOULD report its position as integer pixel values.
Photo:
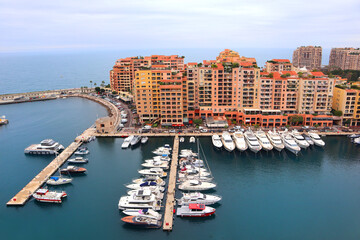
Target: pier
(21, 197)
(170, 198)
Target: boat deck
(170, 199)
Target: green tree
(91, 82)
(296, 119)
(256, 126)
(337, 113)
(200, 64)
(102, 84)
(114, 92)
(271, 75)
(198, 121)
(97, 89)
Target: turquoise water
(25, 72)
(266, 196)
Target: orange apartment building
(235, 90)
(123, 73)
(278, 65)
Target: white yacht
(135, 140)
(197, 197)
(143, 212)
(153, 186)
(153, 171)
(44, 195)
(263, 140)
(316, 138)
(182, 139)
(78, 160)
(227, 141)
(202, 172)
(252, 141)
(47, 146)
(144, 140)
(161, 151)
(308, 139)
(195, 210)
(156, 164)
(140, 200)
(299, 139)
(192, 140)
(127, 141)
(196, 185)
(184, 177)
(158, 194)
(187, 153)
(275, 140)
(290, 143)
(239, 140)
(158, 180)
(216, 141)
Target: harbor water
(271, 195)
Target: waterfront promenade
(170, 198)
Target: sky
(149, 24)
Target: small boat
(197, 197)
(3, 120)
(143, 213)
(354, 135)
(127, 141)
(299, 139)
(187, 153)
(188, 170)
(159, 158)
(58, 180)
(357, 140)
(159, 181)
(263, 140)
(227, 141)
(156, 192)
(216, 141)
(184, 177)
(161, 151)
(308, 139)
(136, 139)
(47, 146)
(275, 140)
(252, 141)
(182, 139)
(78, 160)
(142, 221)
(44, 195)
(195, 210)
(153, 171)
(196, 185)
(72, 169)
(316, 138)
(192, 140)
(290, 143)
(82, 151)
(239, 140)
(144, 140)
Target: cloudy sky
(139, 24)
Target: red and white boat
(195, 210)
(44, 195)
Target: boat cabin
(42, 191)
(196, 207)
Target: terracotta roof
(317, 74)
(292, 73)
(281, 60)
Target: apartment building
(309, 57)
(345, 58)
(347, 101)
(123, 73)
(278, 65)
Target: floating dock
(170, 198)
(21, 197)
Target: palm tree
(102, 83)
(91, 83)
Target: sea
(270, 195)
(38, 71)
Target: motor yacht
(78, 160)
(216, 141)
(187, 153)
(227, 141)
(182, 139)
(47, 146)
(290, 143)
(72, 169)
(263, 140)
(143, 213)
(82, 151)
(316, 138)
(239, 140)
(142, 221)
(135, 140)
(197, 197)
(144, 140)
(191, 161)
(299, 139)
(308, 139)
(357, 140)
(153, 171)
(138, 197)
(184, 177)
(58, 180)
(252, 141)
(195, 210)
(127, 141)
(159, 181)
(44, 195)
(162, 151)
(196, 185)
(158, 194)
(275, 140)
(164, 158)
(156, 164)
(192, 140)
(153, 186)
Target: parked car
(203, 130)
(172, 131)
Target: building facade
(309, 57)
(347, 101)
(278, 65)
(345, 58)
